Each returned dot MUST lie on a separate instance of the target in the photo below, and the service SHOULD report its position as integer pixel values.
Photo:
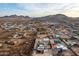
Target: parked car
(46, 41)
(40, 48)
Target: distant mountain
(50, 18)
(54, 18)
(15, 17)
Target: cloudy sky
(39, 9)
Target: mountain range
(51, 18)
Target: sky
(39, 9)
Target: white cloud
(43, 9)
